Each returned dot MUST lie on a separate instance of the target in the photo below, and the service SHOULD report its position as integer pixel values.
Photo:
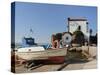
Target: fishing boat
(34, 51)
(30, 54)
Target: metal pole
(88, 44)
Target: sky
(47, 19)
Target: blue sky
(46, 19)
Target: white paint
(29, 49)
(73, 25)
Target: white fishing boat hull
(39, 55)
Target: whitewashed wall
(73, 25)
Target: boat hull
(40, 55)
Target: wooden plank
(50, 67)
(35, 67)
(42, 54)
(63, 66)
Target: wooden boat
(39, 55)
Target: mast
(31, 32)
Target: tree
(78, 36)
